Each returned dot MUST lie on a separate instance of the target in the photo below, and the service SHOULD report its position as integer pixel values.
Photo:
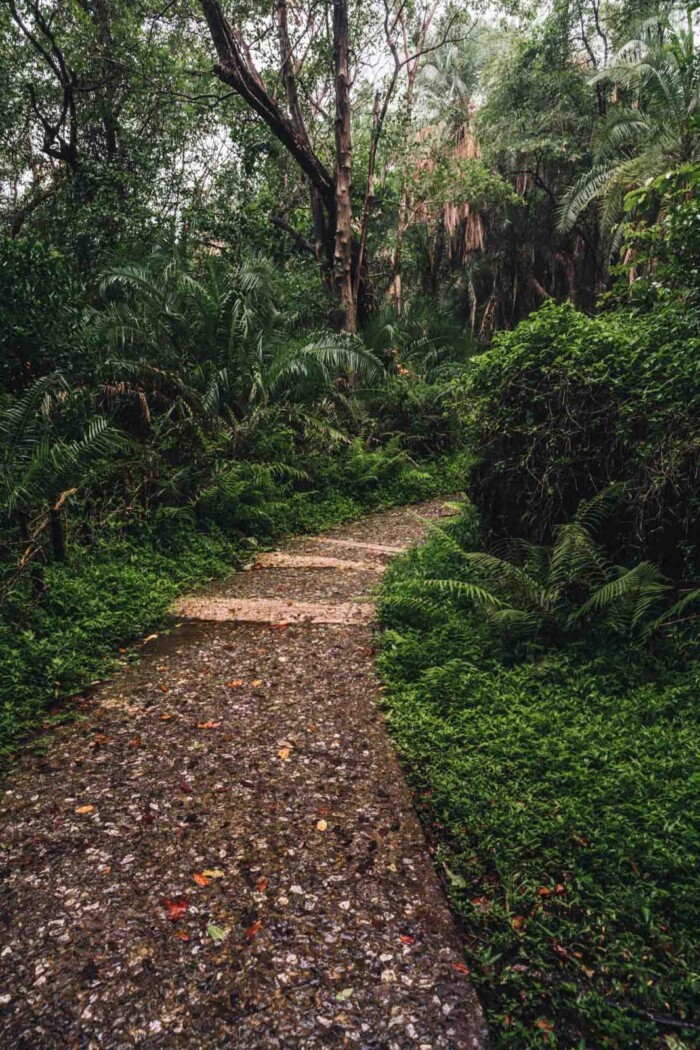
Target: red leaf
(262, 884)
(175, 909)
(460, 967)
(253, 930)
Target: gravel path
(224, 852)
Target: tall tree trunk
(343, 148)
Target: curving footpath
(223, 852)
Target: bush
(565, 404)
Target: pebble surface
(223, 851)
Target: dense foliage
(558, 786)
(566, 404)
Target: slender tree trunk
(343, 143)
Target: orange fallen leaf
(284, 753)
(544, 1025)
(84, 809)
(256, 681)
(253, 930)
(123, 650)
(517, 921)
(201, 880)
(208, 725)
(164, 688)
(165, 718)
(235, 684)
(262, 884)
(175, 909)
(182, 935)
(543, 891)
(460, 967)
(560, 888)
(322, 825)
(405, 938)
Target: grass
(112, 593)
(560, 794)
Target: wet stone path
(223, 852)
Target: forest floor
(223, 850)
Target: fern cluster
(551, 594)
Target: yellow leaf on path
(214, 873)
(256, 681)
(322, 825)
(84, 809)
(235, 684)
(150, 638)
(284, 753)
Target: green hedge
(565, 404)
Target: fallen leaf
(164, 688)
(150, 638)
(185, 787)
(256, 681)
(262, 884)
(175, 909)
(322, 825)
(201, 880)
(216, 933)
(543, 891)
(84, 809)
(208, 725)
(182, 935)
(460, 967)
(284, 753)
(123, 650)
(405, 938)
(213, 873)
(253, 930)
(165, 718)
(544, 1025)
(344, 995)
(235, 684)
(517, 922)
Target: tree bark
(343, 148)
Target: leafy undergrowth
(112, 593)
(561, 795)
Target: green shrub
(565, 404)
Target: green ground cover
(559, 788)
